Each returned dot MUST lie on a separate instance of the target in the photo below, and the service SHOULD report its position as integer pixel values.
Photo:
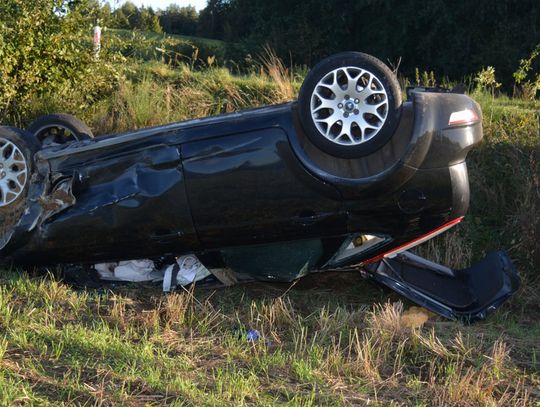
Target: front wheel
(350, 104)
(59, 128)
(17, 149)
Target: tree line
(452, 38)
(173, 20)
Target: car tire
(59, 129)
(17, 149)
(350, 104)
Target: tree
(451, 38)
(149, 21)
(45, 46)
(214, 18)
(130, 17)
(133, 14)
(105, 15)
(120, 20)
(179, 20)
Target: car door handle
(307, 219)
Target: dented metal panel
(131, 201)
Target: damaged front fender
(131, 197)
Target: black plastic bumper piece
(468, 295)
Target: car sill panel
(468, 294)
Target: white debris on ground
(132, 270)
(186, 270)
(137, 271)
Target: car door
(249, 188)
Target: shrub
(45, 47)
(527, 85)
(486, 80)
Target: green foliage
(179, 20)
(216, 19)
(486, 81)
(170, 49)
(157, 93)
(505, 183)
(528, 88)
(451, 38)
(425, 78)
(45, 46)
(129, 16)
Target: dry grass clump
(279, 74)
(147, 101)
(451, 249)
(130, 347)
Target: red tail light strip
(415, 242)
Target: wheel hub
(13, 172)
(349, 106)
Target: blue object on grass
(253, 335)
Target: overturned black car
(349, 175)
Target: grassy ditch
(331, 339)
(321, 344)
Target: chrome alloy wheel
(13, 172)
(349, 106)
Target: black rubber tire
(387, 79)
(42, 126)
(11, 213)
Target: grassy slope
(174, 49)
(327, 341)
(200, 42)
(128, 33)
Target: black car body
(252, 192)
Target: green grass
(127, 34)
(172, 49)
(333, 339)
(153, 93)
(321, 346)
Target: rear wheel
(17, 149)
(59, 128)
(350, 104)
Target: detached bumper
(468, 295)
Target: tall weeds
(279, 74)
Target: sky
(162, 4)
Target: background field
(330, 339)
